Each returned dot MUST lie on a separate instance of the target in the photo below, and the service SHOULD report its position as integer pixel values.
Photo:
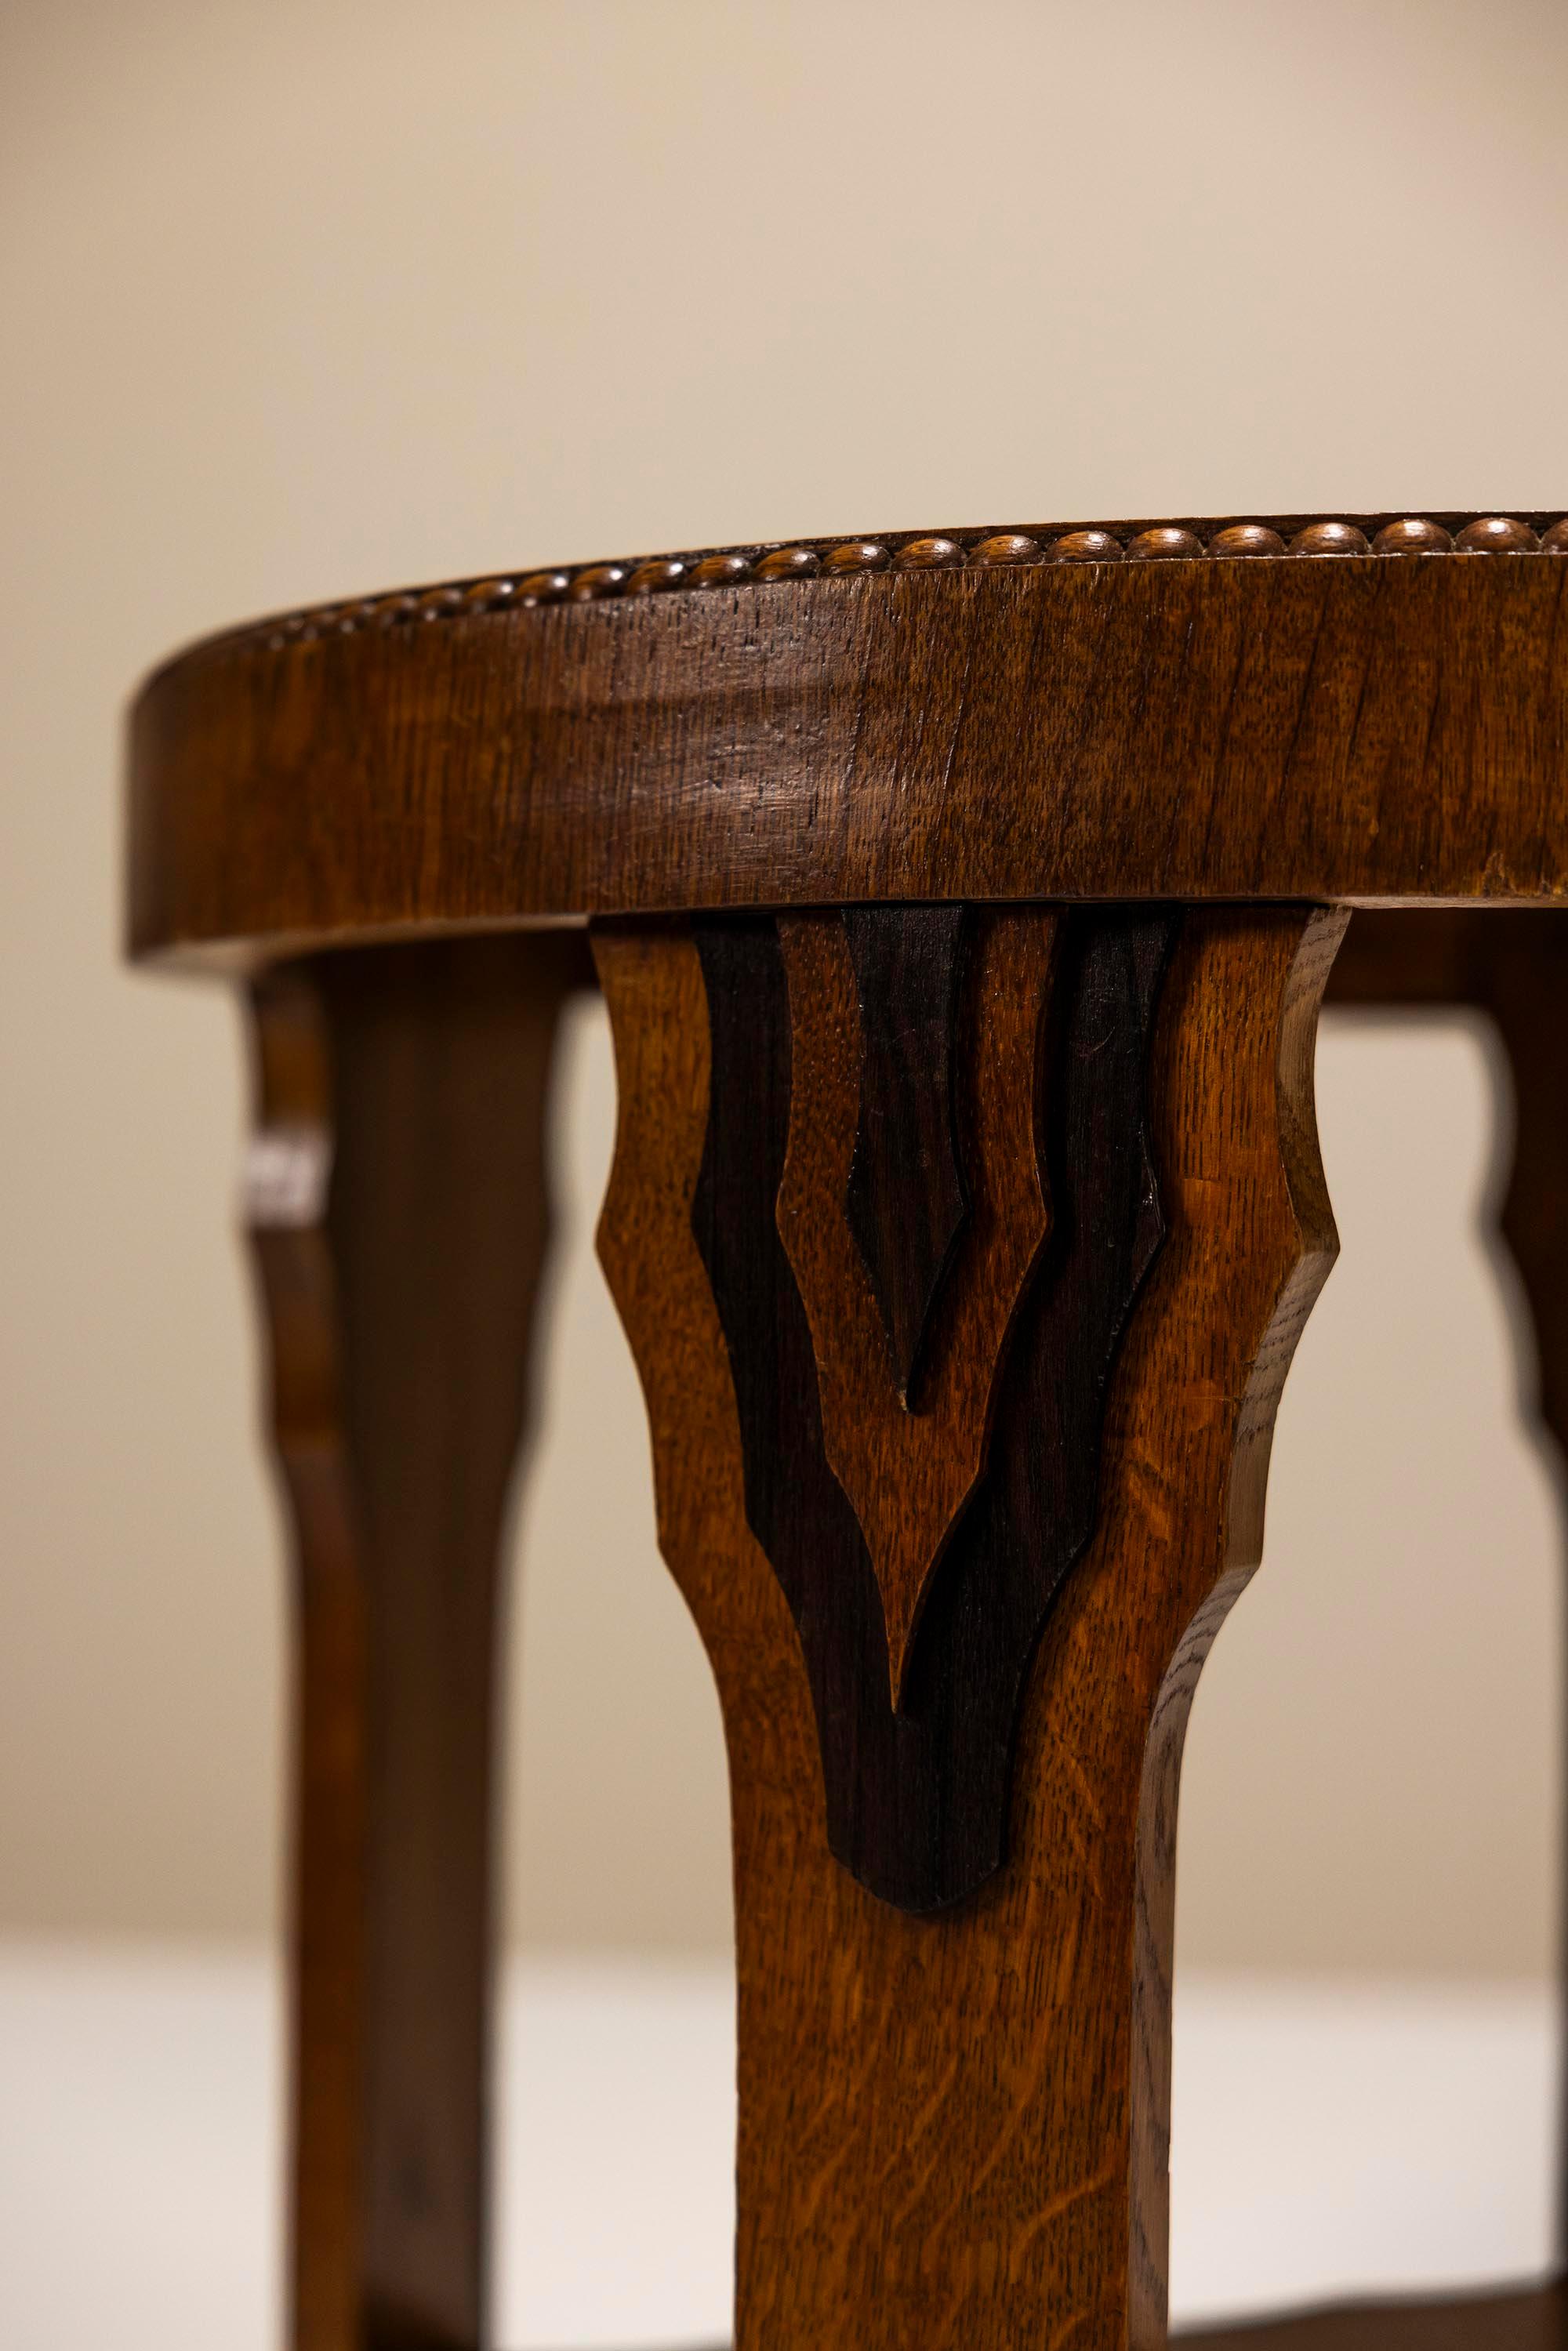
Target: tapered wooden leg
(1521, 973)
(1513, 965)
(397, 1208)
(958, 1490)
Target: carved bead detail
(1162, 544)
(856, 555)
(1009, 547)
(1086, 547)
(1412, 537)
(649, 578)
(719, 570)
(543, 587)
(1329, 539)
(1247, 538)
(490, 595)
(598, 580)
(1497, 534)
(390, 612)
(927, 555)
(789, 563)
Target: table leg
(958, 1565)
(1510, 963)
(398, 1219)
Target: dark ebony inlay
(906, 1203)
(916, 1801)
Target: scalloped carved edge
(767, 564)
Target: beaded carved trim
(1451, 534)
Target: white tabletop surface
(1326, 2140)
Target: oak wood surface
(953, 2130)
(398, 1226)
(946, 724)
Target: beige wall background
(304, 300)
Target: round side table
(964, 902)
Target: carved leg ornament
(963, 1253)
(396, 1200)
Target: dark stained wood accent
(796, 1506)
(906, 1200)
(399, 1296)
(1034, 1512)
(1350, 727)
(1531, 2318)
(952, 2129)
(918, 1798)
(909, 1474)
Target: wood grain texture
(907, 1474)
(951, 2127)
(905, 1200)
(399, 1297)
(1351, 727)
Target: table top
(1367, 709)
